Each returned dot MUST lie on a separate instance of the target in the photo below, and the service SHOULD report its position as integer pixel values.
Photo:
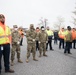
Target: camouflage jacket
(15, 37)
(43, 36)
(30, 35)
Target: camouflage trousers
(15, 48)
(31, 48)
(42, 48)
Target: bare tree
(43, 22)
(59, 23)
(74, 18)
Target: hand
(46, 41)
(33, 40)
(18, 42)
(39, 42)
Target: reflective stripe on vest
(4, 35)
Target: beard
(2, 22)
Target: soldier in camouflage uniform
(15, 45)
(31, 42)
(43, 38)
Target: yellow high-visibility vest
(49, 32)
(4, 35)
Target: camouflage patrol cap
(31, 25)
(15, 26)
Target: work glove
(18, 42)
(33, 40)
(46, 41)
(39, 42)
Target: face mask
(16, 28)
(2, 22)
(43, 29)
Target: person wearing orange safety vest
(22, 35)
(74, 37)
(61, 35)
(5, 36)
(37, 44)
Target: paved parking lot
(57, 63)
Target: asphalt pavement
(57, 63)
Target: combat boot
(40, 55)
(27, 60)
(12, 63)
(35, 59)
(20, 61)
(45, 55)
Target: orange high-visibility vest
(61, 34)
(73, 35)
(5, 35)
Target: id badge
(2, 48)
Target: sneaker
(9, 71)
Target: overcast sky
(25, 12)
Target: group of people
(67, 39)
(37, 39)
(40, 38)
